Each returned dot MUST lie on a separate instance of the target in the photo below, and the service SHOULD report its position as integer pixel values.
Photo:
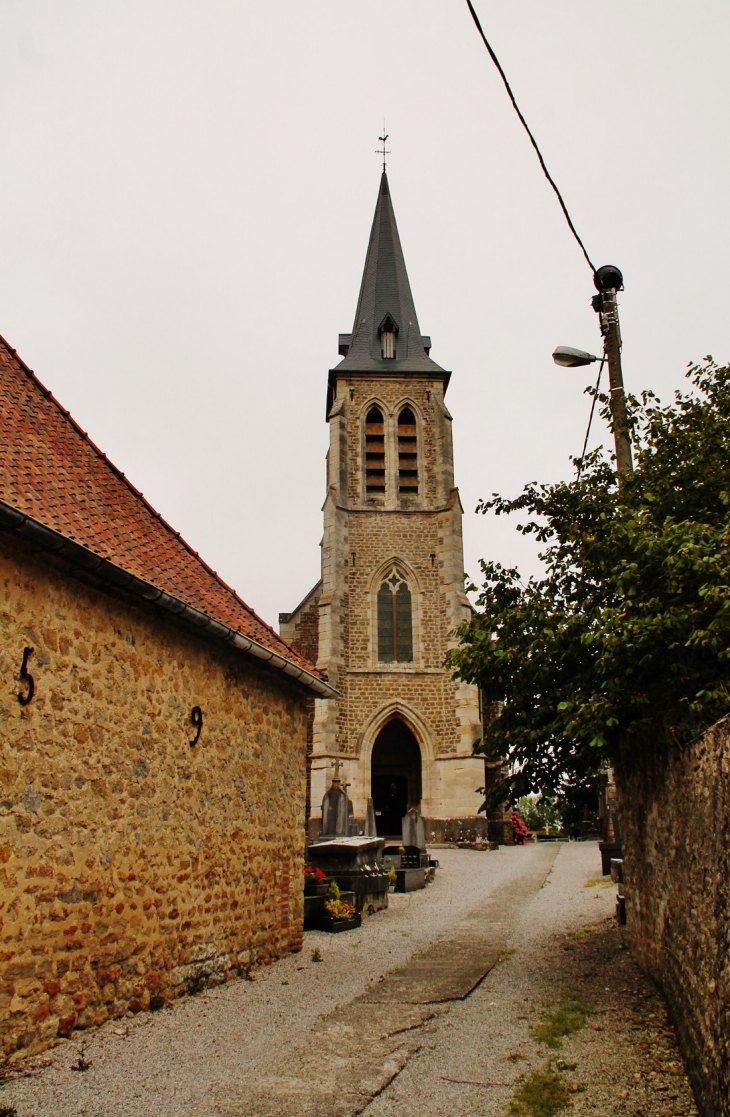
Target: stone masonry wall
(132, 865)
(301, 628)
(675, 823)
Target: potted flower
(315, 882)
(340, 916)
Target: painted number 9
(196, 720)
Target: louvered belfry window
(395, 620)
(374, 452)
(387, 345)
(387, 331)
(407, 453)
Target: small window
(374, 452)
(407, 453)
(395, 620)
(387, 331)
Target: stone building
(392, 587)
(152, 745)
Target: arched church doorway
(395, 776)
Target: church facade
(380, 621)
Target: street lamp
(608, 281)
(572, 358)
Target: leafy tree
(626, 637)
(539, 812)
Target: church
(379, 622)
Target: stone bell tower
(391, 593)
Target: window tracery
(395, 619)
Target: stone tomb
(356, 863)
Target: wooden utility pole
(609, 281)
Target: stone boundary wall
(675, 821)
(134, 867)
(456, 830)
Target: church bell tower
(392, 589)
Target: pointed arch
(395, 619)
(374, 449)
(387, 332)
(395, 593)
(405, 569)
(408, 471)
(420, 728)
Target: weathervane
(383, 152)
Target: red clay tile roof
(52, 471)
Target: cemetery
(348, 874)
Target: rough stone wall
(374, 538)
(391, 394)
(132, 865)
(431, 696)
(675, 823)
(301, 628)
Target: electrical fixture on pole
(609, 282)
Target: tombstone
(335, 811)
(414, 830)
(371, 828)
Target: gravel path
(566, 948)
(176, 1062)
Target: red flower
(519, 829)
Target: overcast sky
(186, 195)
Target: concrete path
(425, 1011)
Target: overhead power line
(533, 141)
(590, 418)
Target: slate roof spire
(385, 303)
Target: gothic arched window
(395, 620)
(374, 451)
(407, 453)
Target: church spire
(385, 335)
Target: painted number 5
(27, 689)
